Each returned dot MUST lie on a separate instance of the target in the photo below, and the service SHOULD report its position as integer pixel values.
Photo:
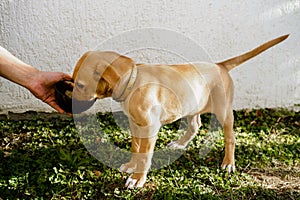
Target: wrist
(30, 77)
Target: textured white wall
(51, 35)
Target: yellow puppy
(155, 95)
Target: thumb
(66, 77)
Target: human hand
(43, 87)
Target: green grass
(44, 158)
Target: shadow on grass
(44, 159)
(48, 172)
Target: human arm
(41, 84)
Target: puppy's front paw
(227, 165)
(175, 145)
(128, 167)
(137, 180)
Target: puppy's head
(96, 74)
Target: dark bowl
(63, 96)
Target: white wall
(52, 34)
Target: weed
(45, 159)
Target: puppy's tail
(233, 62)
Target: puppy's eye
(79, 85)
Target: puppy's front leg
(140, 163)
(132, 164)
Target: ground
(43, 157)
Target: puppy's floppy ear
(110, 75)
(124, 63)
(79, 63)
(116, 68)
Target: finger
(59, 109)
(64, 76)
(56, 107)
(58, 76)
(67, 77)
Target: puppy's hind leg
(194, 123)
(229, 138)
